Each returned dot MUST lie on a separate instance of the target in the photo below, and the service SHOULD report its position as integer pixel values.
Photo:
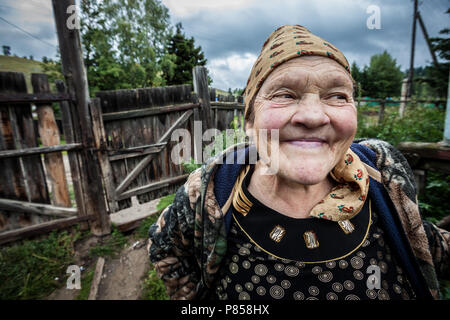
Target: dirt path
(122, 276)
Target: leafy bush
(433, 202)
(419, 124)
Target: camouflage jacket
(188, 243)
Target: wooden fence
(127, 135)
(136, 134)
(119, 155)
(34, 192)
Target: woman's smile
(307, 143)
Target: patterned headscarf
(285, 43)
(292, 41)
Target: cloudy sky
(231, 32)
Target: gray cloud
(230, 35)
(35, 17)
(343, 23)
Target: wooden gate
(135, 129)
(34, 188)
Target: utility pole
(413, 45)
(446, 140)
(425, 34)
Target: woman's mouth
(307, 143)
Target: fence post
(403, 98)
(77, 84)
(101, 144)
(200, 80)
(381, 112)
(446, 140)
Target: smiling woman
(316, 118)
(333, 211)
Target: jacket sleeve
(439, 242)
(171, 248)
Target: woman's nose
(310, 112)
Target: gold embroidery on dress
(346, 226)
(311, 239)
(277, 233)
(240, 201)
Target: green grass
(165, 202)
(142, 230)
(32, 269)
(86, 281)
(112, 246)
(153, 288)
(16, 64)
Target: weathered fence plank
(37, 208)
(147, 112)
(74, 160)
(19, 98)
(144, 162)
(49, 134)
(39, 150)
(41, 228)
(24, 177)
(100, 143)
(200, 80)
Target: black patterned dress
(270, 256)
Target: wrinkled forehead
(320, 70)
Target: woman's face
(310, 101)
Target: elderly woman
(337, 219)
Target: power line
(31, 35)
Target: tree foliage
(381, 79)
(124, 43)
(187, 57)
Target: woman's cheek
(272, 119)
(345, 122)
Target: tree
(6, 50)
(124, 43)
(384, 77)
(187, 56)
(360, 77)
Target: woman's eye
(284, 96)
(339, 97)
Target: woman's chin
(305, 176)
